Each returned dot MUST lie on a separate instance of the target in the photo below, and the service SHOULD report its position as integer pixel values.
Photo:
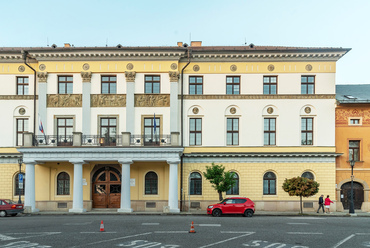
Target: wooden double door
(106, 188)
(358, 195)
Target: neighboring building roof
(353, 93)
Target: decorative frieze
(42, 77)
(17, 97)
(342, 115)
(152, 100)
(108, 100)
(174, 76)
(318, 96)
(130, 76)
(63, 101)
(86, 76)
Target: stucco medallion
(196, 68)
(271, 67)
(195, 110)
(86, 66)
(270, 110)
(233, 110)
(22, 111)
(233, 67)
(307, 110)
(42, 67)
(173, 66)
(308, 67)
(21, 68)
(129, 66)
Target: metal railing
(150, 140)
(53, 140)
(97, 140)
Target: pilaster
(174, 101)
(86, 102)
(42, 92)
(130, 101)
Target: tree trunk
(301, 204)
(220, 195)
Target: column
(130, 101)
(42, 102)
(174, 101)
(77, 206)
(125, 187)
(86, 110)
(29, 197)
(173, 194)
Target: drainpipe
(182, 125)
(24, 55)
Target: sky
(299, 23)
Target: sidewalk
(203, 212)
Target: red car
(8, 207)
(232, 205)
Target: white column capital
(126, 161)
(173, 161)
(31, 162)
(77, 161)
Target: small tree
(222, 181)
(300, 186)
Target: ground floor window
(195, 183)
(63, 184)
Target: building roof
(353, 93)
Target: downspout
(182, 127)
(24, 55)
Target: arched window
(269, 184)
(151, 183)
(234, 190)
(63, 183)
(17, 190)
(195, 183)
(308, 175)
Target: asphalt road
(155, 231)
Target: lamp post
(20, 161)
(352, 207)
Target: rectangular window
(195, 85)
(152, 84)
(108, 131)
(354, 122)
(195, 128)
(108, 84)
(22, 126)
(269, 85)
(269, 131)
(307, 84)
(152, 131)
(232, 134)
(22, 85)
(65, 84)
(307, 131)
(354, 150)
(65, 131)
(232, 85)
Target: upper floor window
(195, 131)
(234, 190)
(65, 131)
(232, 131)
(308, 175)
(108, 84)
(195, 85)
(108, 131)
(22, 85)
(151, 183)
(152, 131)
(232, 85)
(152, 84)
(354, 150)
(307, 131)
(269, 184)
(22, 126)
(65, 84)
(269, 131)
(16, 186)
(63, 183)
(195, 183)
(307, 84)
(354, 121)
(269, 85)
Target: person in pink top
(327, 204)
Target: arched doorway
(358, 195)
(106, 191)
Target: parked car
(9, 207)
(232, 205)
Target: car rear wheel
(2, 213)
(216, 213)
(248, 213)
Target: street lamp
(352, 207)
(20, 161)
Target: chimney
(179, 44)
(67, 45)
(196, 43)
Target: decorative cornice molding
(174, 76)
(86, 76)
(17, 97)
(42, 77)
(107, 100)
(130, 76)
(67, 100)
(152, 100)
(316, 96)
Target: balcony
(123, 140)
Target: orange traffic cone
(192, 227)
(102, 226)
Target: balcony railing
(150, 140)
(53, 140)
(97, 140)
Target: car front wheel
(2, 213)
(248, 213)
(216, 213)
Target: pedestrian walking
(327, 204)
(321, 204)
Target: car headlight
(210, 206)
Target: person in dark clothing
(321, 204)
